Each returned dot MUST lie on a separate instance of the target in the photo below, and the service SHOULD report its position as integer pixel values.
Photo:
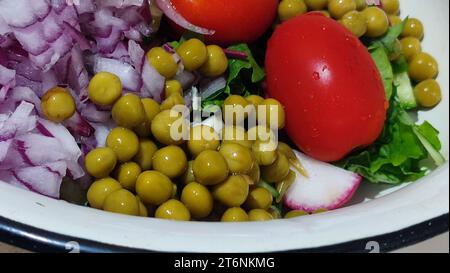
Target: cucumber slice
(405, 91)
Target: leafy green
(431, 134)
(381, 49)
(398, 154)
(400, 65)
(244, 77)
(269, 187)
(384, 66)
(390, 38)
(405, 92)
(236, 66)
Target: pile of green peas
(143, 171)
(374, 22)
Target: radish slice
(169, 10)
(328, 187)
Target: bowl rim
(36, 239)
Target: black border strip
(39, 240)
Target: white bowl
(421, 208)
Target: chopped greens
(236, 66)
(243, 77)
(384, 66)
(269, 187)
(399, 154)
(389, 40)
(405, 91)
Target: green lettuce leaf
(398, 154)
(238, 68)
(244, 77)
(379, 55)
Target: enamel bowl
(379, 217)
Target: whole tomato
(234, 21)
(331, 88)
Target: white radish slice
(328, 187)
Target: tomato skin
(233, 20)
(325, 77)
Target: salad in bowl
(214, 111)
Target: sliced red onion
(87, 144)
(127, 74)
(77, 36)
(144, 29)
(120, 3)
(42, 179)
(59, 5)
(373, 2)
(168, 47)
(17, 13)
(19, 122)
(169, 10)
(154, 82)
(7, 79)
(4, 148)
(120, 53)
(67, 142)
(93, 114)
(40, 8)
(18, 95)
(188, 98)
(49, 80)
(78, 77)
(4, 29)
(211, 88)
(235, 54)
(30, 147)
(137, 55)
(133, 34)
(44, 39)
(102, 132)
(186, 79)
(51, 27)
(85, 6)
(79, 126)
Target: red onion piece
(374, 3)
(130, 78)
(212, 87)
(169, 10)
(77, 36)
(168, 47)
(235, 54)
(153, 82)
(79, 126)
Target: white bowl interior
(375, 210)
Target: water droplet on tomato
(316, 76)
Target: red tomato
(233, 20)
(325, 77)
